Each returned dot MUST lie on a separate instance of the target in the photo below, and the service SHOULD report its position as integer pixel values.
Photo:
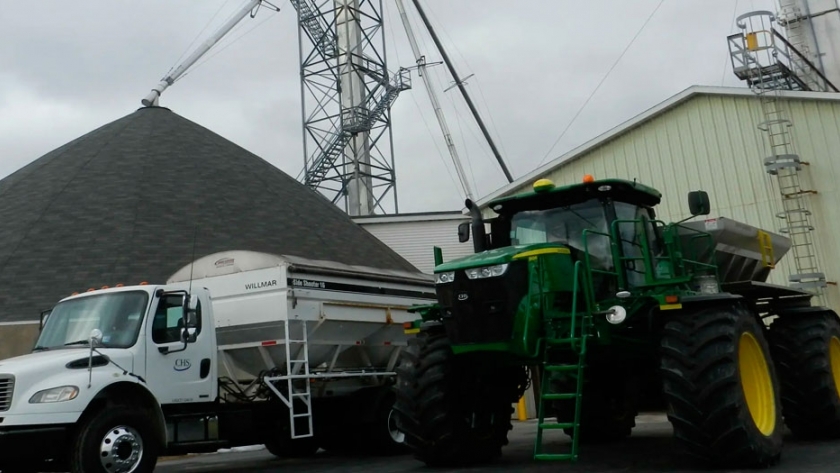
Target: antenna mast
(421, 66)
(463, 90)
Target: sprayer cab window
(632, 235)
(563, 225)
(117, 315)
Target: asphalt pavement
(650, 449)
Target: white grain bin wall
(413, 236)
(824, 22)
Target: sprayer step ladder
(298, 381)
(576, 344)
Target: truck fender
(129, 394)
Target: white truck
(238, 348)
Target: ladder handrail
(306, 395)
(545, 391)
(321, 35)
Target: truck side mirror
(95, 337)
(44, 316)
(698, 203)
(464, 232)
(191, 311)
(188, 335)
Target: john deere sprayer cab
(582, 291)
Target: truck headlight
(487, 271)
(59, 394)
(442, 278)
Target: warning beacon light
(542, 185)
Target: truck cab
(104, 364)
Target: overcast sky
(67, 68)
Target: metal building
(707, 138)
(414, 235)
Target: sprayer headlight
(443, 278)
(487, 271)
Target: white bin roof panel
(237, 261)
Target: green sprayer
(582, 292)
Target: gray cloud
(69, 67)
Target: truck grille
(483, 310)
(7, 387)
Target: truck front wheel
(115, 440)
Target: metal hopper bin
(742, 252)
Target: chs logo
(182, 364)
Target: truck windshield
(118, 315)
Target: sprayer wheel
(437, 398)
(806, 349)
(721, 387)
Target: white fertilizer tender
(238, 348)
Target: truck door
(177, 372)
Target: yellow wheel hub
(834, 356)
(755, 380)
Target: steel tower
(346, 95)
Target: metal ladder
(298, 384)
(547, 395)
(785, 165)
(321, 34)
(576, 343)
(757, 53)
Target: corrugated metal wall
(17, 339)
(711, 142)
(415, 240)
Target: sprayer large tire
(806, 350)
(716, 366)
(434, 403)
